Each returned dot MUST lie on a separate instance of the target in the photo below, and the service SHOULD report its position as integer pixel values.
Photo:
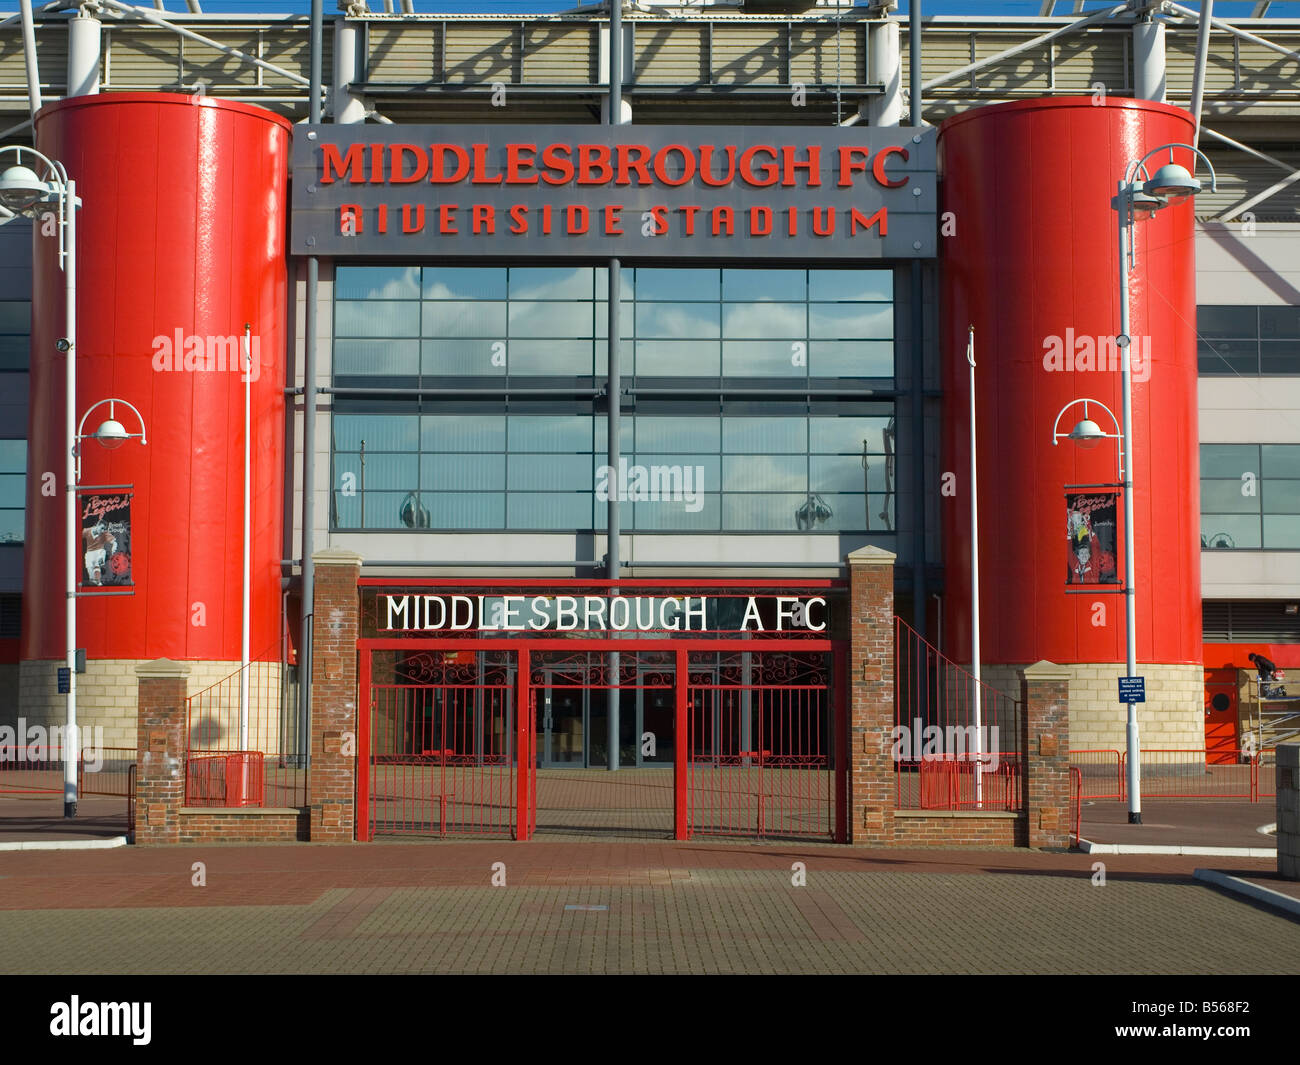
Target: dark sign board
(640, 192)
(1090, 529)
(1132, 689)
(105, 540)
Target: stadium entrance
(725, 712)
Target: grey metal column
(309, 423)
(614, 380)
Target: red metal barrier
(1076, 803)
(130, 802)
(1168, 773)
(229, 778)
(950, 783)
(1101, 773)
(760, 744)
(107, 772)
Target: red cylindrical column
(1032, 263)
(180, 243)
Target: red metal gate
(762, 736)
(438, 748)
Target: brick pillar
(336, 626)
(160, 750)
(1288, 810)
(1045, 746)
(871, 701)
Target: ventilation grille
(1227, 621)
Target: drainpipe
(614, 116)
(918, 354)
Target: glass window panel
(11, 526)
(550, 432)
(851, 358)
(463, 432)
(765, 320)
(12, 489)
(600, 515)
(846, 436)
(452, 318)
(677, 358)
(469, 357)
(1279, 460)
(345, 510)
(765, 473)
(677, 284)
(625, 319)
(1279, 357)
(16, 317)
(551, 357)
(376, 318)
(13, 456)
(384, 358)
(553, 283)
(1228, 357)
(464, 283)
(764, 285)
(849, 513)
(382, 471)
(1221, 497)
(677, 321)
(1227, 322)
(851, 321)
(462, 472)
(551, 319)
(15, 354)
(550, 473)
(1281, 531)
(550, 510)
(678, 516)
(874, 285)
(381, 432)
(847, 474)
(757, 513)
(436, 510)
(1279, 497)
(377, 283)
(1239, 531)
(699, 473)
(1229, 460)
(764, 435)
(764, 358)
(1279, 322)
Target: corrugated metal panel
(1263, 70)
(560, 55)
(13, 73)
(1180, 62)
(52, 57)
(141, 58)
(813, 56)
(1029, 71)
(1241, 176)
(217, 68)
(404, 53)
(481, 55)
(1084, 60)
(291, 49)
(940, 53)
(669, 55)
(749, 55)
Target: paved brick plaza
(688, 908)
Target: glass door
(560, 726)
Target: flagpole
(975, 581)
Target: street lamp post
(25, 192)
(1170, 185)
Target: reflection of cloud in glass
(405, 287)
(764, 320)
(550, 283)
(849, 321)
(765, 473)
(677, 321)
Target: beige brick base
(1173, 715)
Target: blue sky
(1223, 8)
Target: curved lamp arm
(1131, 172)
(112, 408)
(1117, 435)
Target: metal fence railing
(251, 753)
(1169, 773)
(1101, 773)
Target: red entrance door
(1221, 743)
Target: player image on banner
(106, 540)
(1091, 531)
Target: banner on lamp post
(105, 541)
(1091, 535)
